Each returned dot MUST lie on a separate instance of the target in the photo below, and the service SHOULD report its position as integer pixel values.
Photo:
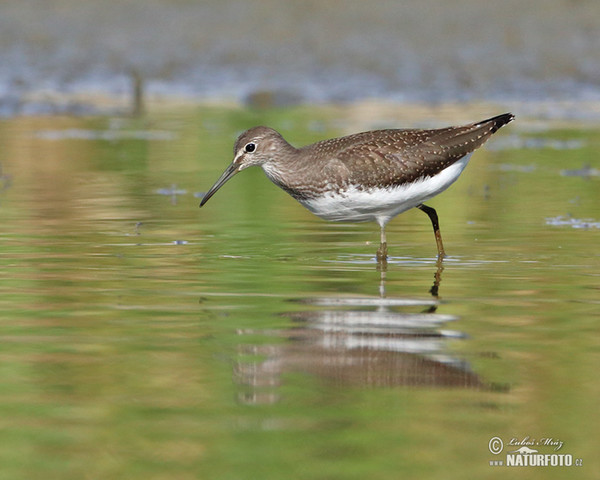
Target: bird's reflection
(375, 341)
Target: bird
(368, 176)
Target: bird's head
(257, 146)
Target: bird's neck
(291, 172)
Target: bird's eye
(250, 147)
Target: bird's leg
(432, 214)
(382, 250)
(437, 278)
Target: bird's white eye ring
(250, 147)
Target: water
(143, 337)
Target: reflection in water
(172, 192)
(360, 341)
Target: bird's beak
(227, 174)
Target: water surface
(143, 337)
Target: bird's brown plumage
(379, 158)
(384, 158)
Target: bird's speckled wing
(394, 157)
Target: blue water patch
(567, 221)
(584, 172)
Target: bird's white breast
(382, 204)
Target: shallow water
(143, 337)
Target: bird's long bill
(227, 174)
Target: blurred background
(76, 56)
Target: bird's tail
(498, 121)
(464, 139)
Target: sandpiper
(369, 176)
